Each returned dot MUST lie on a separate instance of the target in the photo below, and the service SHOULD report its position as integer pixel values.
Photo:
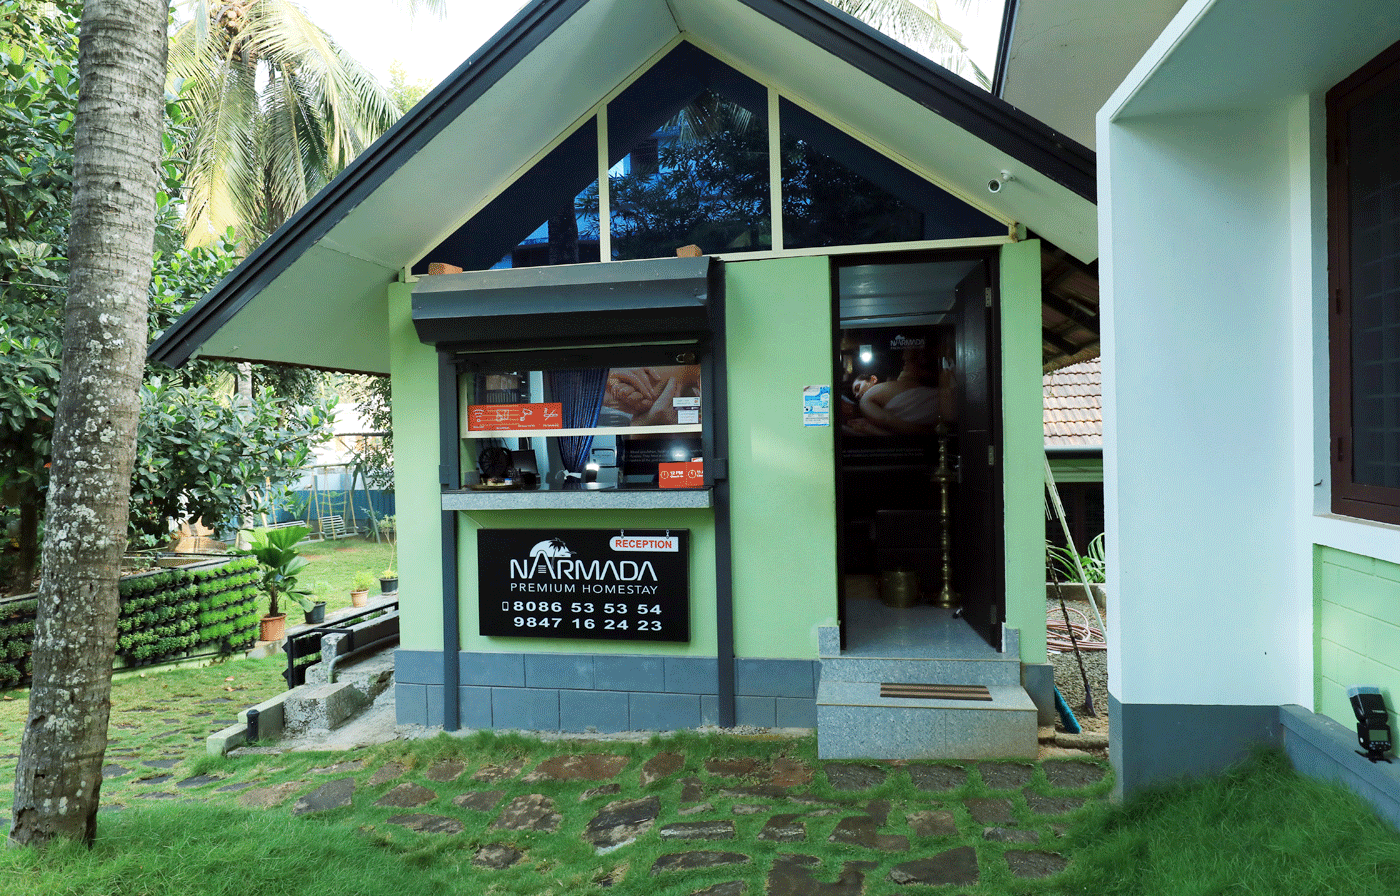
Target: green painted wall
(1357, 626)
(1023, 446)
(782, 473)
(417, 496)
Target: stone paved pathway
(780, 828)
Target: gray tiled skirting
(603, 692)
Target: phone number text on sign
(581, 618)
(584, 583)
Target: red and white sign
(669, 544)
(689, 474)
(498, 417)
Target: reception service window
(632, 418)
(580, 378)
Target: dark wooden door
(978, 531)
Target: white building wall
(1199, 455)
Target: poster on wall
(897, 382)
(609, 584)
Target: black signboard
(618, 585)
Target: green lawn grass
(336, 562)
(1259, 829)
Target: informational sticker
(681, 401)
(816, 406)
(688, 474)
(686, 415)
(498, 417)
(619, 585)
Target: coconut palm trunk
(117, 150)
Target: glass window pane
(1375, 288)
(700, 179)
(837, 191)
(589, 427)
(569, 237)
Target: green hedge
(165, 615)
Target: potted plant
(388, 581)
(281, 562)
(359, 588)
(317, 614)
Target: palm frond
(277, 108)
(919, 25)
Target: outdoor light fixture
(1372, 722)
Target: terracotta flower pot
(272, 628)
(359, 598)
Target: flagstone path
(930, 834)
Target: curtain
(581, 394)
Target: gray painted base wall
(602, 692)
(1154, 743)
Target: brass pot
(899, 588)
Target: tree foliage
(919, 24)
(37, 103)
(374, 454)
(278, 109)
(204, 456)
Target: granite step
(854, 721)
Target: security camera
(995, 184)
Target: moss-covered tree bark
(117, 152)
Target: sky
(379, 32)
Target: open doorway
(918, 452)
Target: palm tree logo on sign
(553, 547)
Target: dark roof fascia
(530, 27)
(1075, 452)
(578, 304)
(1008, 34)
(1062, 159)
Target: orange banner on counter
(498, 417)
(689, 474)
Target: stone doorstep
(854, 721)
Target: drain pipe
(449, 477)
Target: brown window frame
(1349, 497)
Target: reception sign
(611, 584)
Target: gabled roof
(1074, 406)
(1060, 59)
(312, 294)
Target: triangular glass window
(839, 192)
(514, 229)
(688, 149)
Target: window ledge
(583, 499)
(1366, 538)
